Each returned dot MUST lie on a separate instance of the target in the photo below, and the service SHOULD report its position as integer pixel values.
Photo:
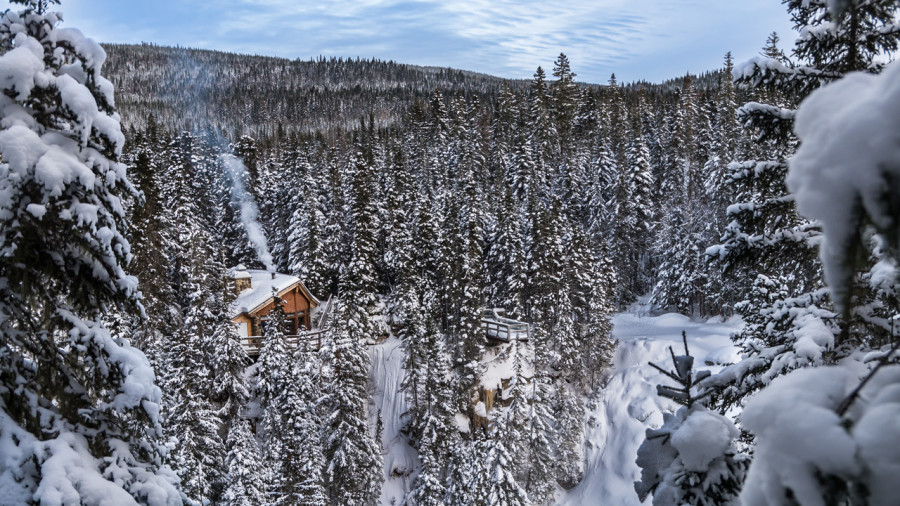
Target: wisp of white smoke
(242, 199)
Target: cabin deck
(312, 340)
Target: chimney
(241, 279)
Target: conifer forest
(243, 280)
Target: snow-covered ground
(617, 416)
(399, 457)
(620, 413)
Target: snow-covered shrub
(819, 440)
(692, 458)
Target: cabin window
(243, 329)
(288, 326)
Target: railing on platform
(504, 329)
(325, 313)
(253, 344)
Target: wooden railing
(325, 313)
(502, 328)
(253, 344)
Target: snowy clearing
(628, 405)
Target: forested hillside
(198, 90)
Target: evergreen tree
(359, 276)
(274, 375)
(199, 453)
(246, 467)
(353, 470)
(464, 475)
(500, 487)
(565, 96)
(634, 219)
(682, 463)
(68, 389)
(301, 460)
(768, 244)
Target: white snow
(400, 459)
(791, 419)
(36, 210)
(462, 423)
(701, 438)
(628, 404)
(848, 163)
(262, 286)
(498, 364)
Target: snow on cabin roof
(240, 272)
(262, 285)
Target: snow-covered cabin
(256, 290)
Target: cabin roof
(262, 285)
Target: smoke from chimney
(249, 213)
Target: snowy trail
(619, 415)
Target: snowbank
(628, 405)
(400, 459)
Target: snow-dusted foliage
(845, 172)
(692, 458)
(812, 427)
(820, 438)
(821, 434)
(79, 410)
(353, 461)
(246, 467)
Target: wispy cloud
(650, 39)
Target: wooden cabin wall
(295, 302)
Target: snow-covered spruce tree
(542, 134)
(431, 424)
(506, 258)
(190, 417)
(301, 460)
(634, 218)
(465, 470)
(767, 242)
(229, 360)
(246, 467)
(496, 484)
(353, 463)
(290, 419)
(681, 274)
(203, 377)
(840, 443)
(78, 408)
(564, 96)
(398, 255)
(148, 241)
(529, 432)
(726, 144)
(359, 276)
(692, 458)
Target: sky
(650, 40)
